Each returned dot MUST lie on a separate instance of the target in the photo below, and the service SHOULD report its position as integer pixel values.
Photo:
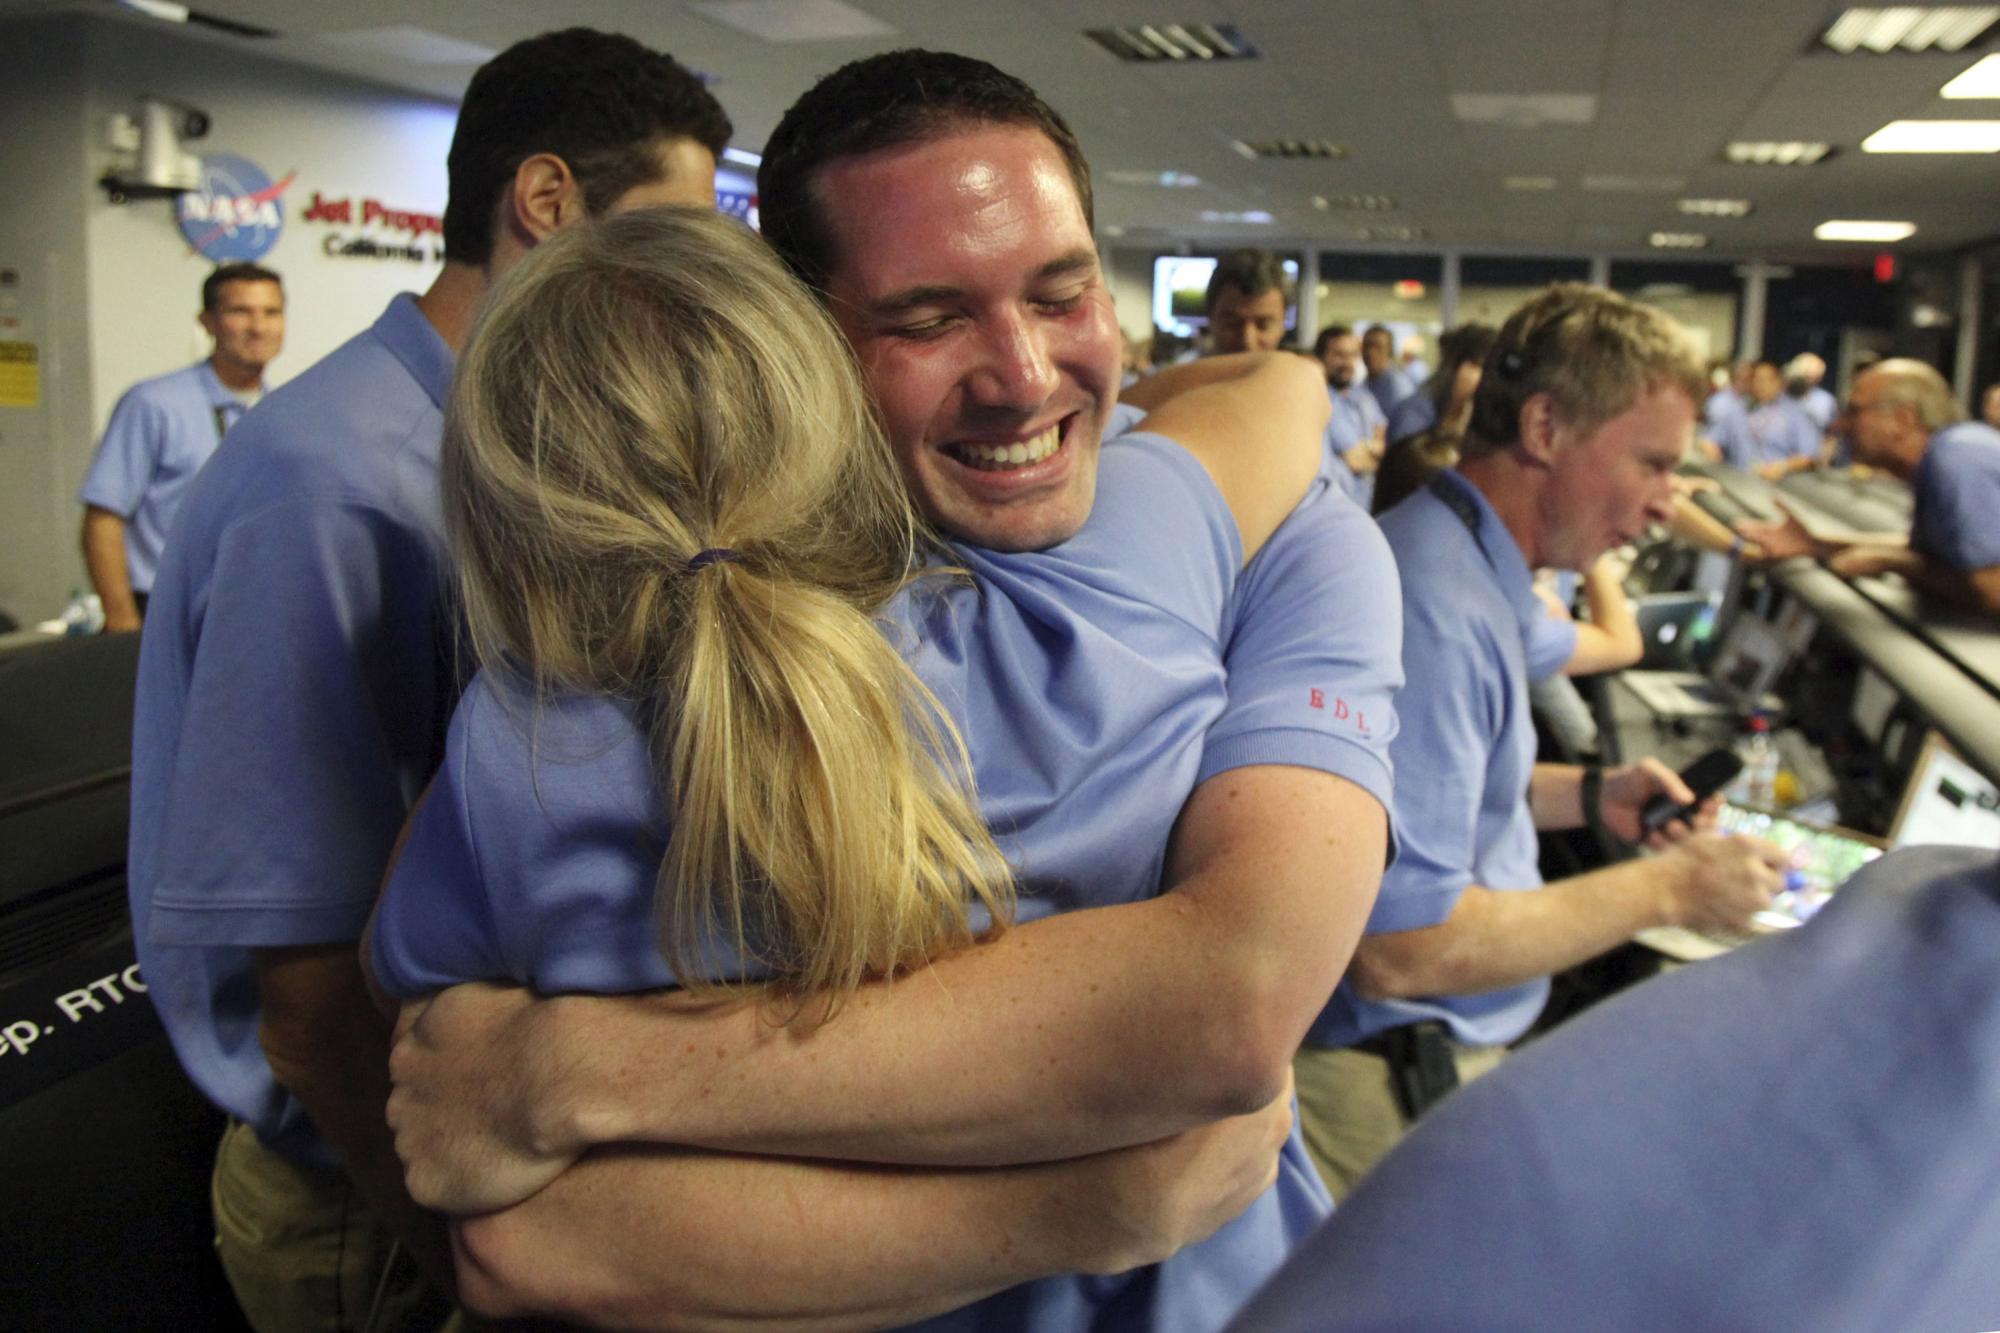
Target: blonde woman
(694, 759)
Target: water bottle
(83, 615)
(1757, 783)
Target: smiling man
(164, 429)
(1587, 404)
(1113, 1015)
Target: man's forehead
(969, 192)
(249, 291)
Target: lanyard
(227, 415)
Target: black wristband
(1591, 797)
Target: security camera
(159, 165)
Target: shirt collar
(212, 387)
(412, 340)
(1502, 552)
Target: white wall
(120, 281)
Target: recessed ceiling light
(1715, 208)
(1982, 80)
(1877, 232)
(1909, 28)
(1767, 153)
(1525, 111)
(742, 157)
(1529, 183)
(1633, 184)
(1677, 240)
(1935, 136)
(794, 20)
(1367, 203)
(1256, 216)
(1172, 180)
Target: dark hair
(599, 101)
(1327, 335)
(1408, 466)
(224, 274)
(1467, 342)
(1592, 351)
(1251, 272)
(895, 98)
(1385, 331)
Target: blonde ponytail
(662, 482)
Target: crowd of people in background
(922, 819)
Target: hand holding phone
(1704, 777)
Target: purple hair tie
(704, 558)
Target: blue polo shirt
(1798, 1135)
(1956, 490)
(1084, 680)
(1464, 755)
(1413, 416)
(1356, 415)
(295, 681)
(1780, 430)
(1392, 386)
(1724, 420)
(160, 434)
(1820, 408)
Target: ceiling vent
(1153, 43)
(1362, 203)
(1771, 154)
(1395, 235)
(1294, 150)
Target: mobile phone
(1704, 777)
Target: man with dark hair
(1782, 437)
(1386, 380)
(1584, 411)
(295, 687)
(1248, 295)
(164, 429)
(1357, 431)
(1443, 402)
(979, 315)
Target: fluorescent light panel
(1766, 153)
(1715, 208)
(1935, 136)
(1909, 28)
(1982, 80)
(1677, 240)
(1880, 233)
(1254, 215)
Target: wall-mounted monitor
(1180, 293)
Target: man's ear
(544, 198)
(207, 321)
(1538, 429)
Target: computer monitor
(1947, 801)
(1671, 625)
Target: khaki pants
(1348, 1114)
(303, 1252)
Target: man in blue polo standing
(1357, 431)
(297, 680)
(1586, 408)
(1783, 438)
(164, 429)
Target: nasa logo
(237, 214)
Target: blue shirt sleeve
(434, 924)
(289, 783)
(1551, 642)
(1958, 511)
(126, 457)
(1314, 651)
(1442, 743)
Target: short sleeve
(434, 925)
(126, 457)
(1551, 642)
(1125, 418)
(1441, 754)
(1314, 652)
(1961, 511)
(311, 718)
